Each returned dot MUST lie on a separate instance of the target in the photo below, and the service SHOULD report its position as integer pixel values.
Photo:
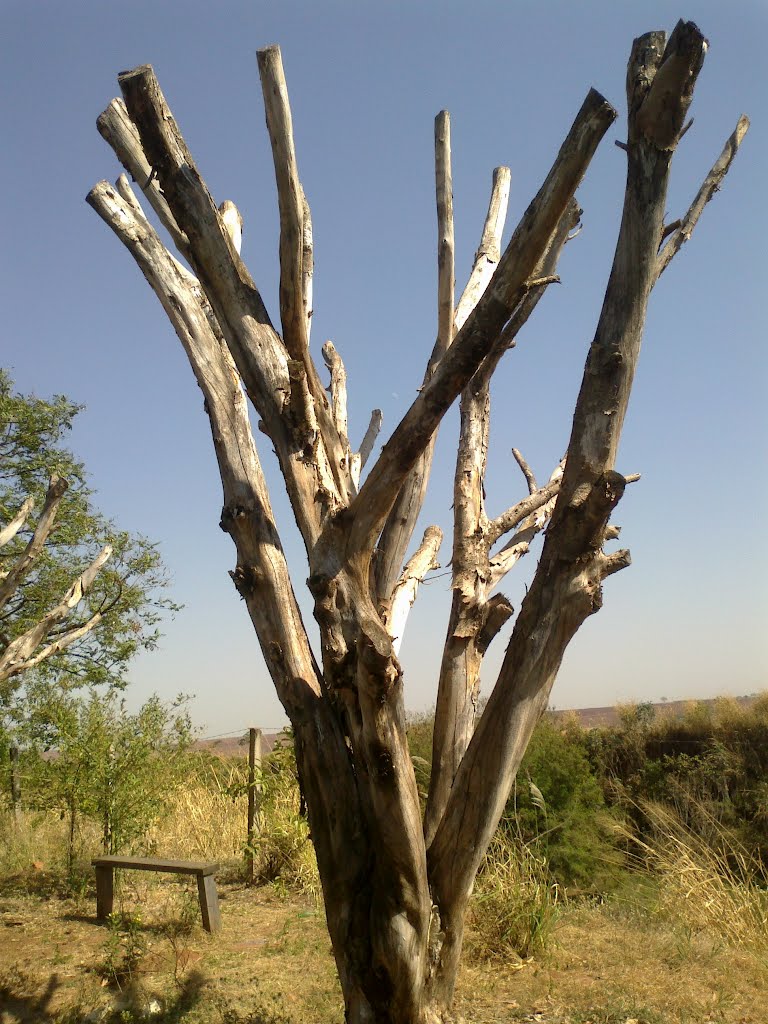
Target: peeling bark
(396, 887)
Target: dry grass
(515, 903)
(204, 821)
(271, 964)
(714, 887)
(38, 842)
(694, 952)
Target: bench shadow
(22, 1008)
(28, 1009)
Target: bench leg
(209, 902)
(105, 891)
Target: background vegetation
(650, 832)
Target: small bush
(558, 804)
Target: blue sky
(366, 80)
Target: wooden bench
(206, 883)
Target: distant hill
(236, 746)
(604, 718)
(588, 718)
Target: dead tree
(396, 885)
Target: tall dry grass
(205, 821)
(38, 841)
(712, 885)
(515, 903)
(208, 820)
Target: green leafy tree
(78, 597)
(115, 768)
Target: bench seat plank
(179, 867)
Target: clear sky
(365, 80)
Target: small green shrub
(558, 804)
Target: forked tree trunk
(396, 887)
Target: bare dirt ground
(271, 964)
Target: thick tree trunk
(396, 887)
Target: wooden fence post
(254, 758)
(13, 757)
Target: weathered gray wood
(567, 586)
(476, 617)
(13, 578)
(204, 871)
(209, 902)
(401, 521)
(254, 759)
(261, 576)
(296, 257)
(179, 867)
(395, 911)
(29, 649)
(709, 187)
(9, 531)
(105, 890)
(510, 282)
(117, 129)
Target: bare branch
(489, 251)
(398, 524)
(525, 250)
(536, 286)
(475, 618)
(259, 353)
(338, 389)
(9, 532)
(262, 574)
(566, 587)
(290, 200)
(711, 184)
(662, 108)
(608, 375)
(11, 582)
(20, 655)
(123, 187)
(515, 515)
(63, 640)
(366, 445)
(296, 259)
(118, 130)
(406, 588)
(232, 220)
(526, 471)
(307, 263)
(615, 562)
(445, 237)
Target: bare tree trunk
(396, 887)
